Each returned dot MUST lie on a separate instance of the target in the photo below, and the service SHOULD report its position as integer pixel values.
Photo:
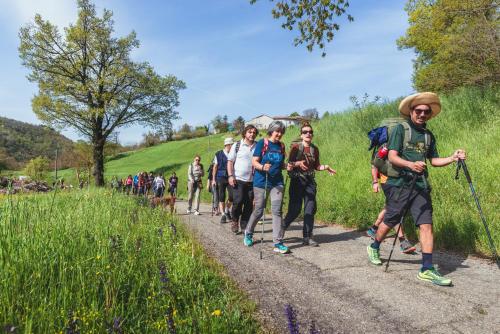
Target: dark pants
(242, 202)
(419, 201)
(159, 192)
(302, 189)
(222, 185)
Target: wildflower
(217, 313)
(116, 326)
(170, 321)
(9, 328)
(174, 229)
(98, 257)
(291, 315)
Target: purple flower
(116, 326)
(170, 321)
(174, 229)
(291, 315)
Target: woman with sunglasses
(303, 162)
(195, 173)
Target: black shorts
(396, 198)
(222, 185)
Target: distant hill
(20, 141)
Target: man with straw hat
(409, 158)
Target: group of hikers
(146, 184)
(251, 171)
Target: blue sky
(234, 57)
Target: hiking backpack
(379, 138)
(300, 155)
(265, 148)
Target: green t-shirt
(414, 150)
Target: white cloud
(20, 12)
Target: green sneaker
(373, 255)
(248, 240)
(433, 276)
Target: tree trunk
(98, 146)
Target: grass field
(98, 262)
(470, 119)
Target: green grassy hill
(470, 119)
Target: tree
(314, 19)
(82, 160)
(37, 168)
(220, 123)
(311, 113)
(150, 139)
(295, 114)
(456, 43)
(239, 124)
(87, 80)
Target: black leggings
(302, 189)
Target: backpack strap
(265, 147)
(191, 171)
(236, 149)
(407, 129)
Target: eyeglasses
(426, 112)
(307, 131)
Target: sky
(234, 57)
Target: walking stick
(405, 210)
(263, 218)
(461, 164)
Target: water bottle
(382, 152)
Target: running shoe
(433, 276)
(280, 248)
(371, 232)
(310, 242)
(196, 213)
(373, 255)
(223, 219)
(248, 239)
(407, 247)
(188, 211)
(234, 227)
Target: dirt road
(335, 286)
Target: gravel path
(335, 286)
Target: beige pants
(193, 189)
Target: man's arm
(441, 162)
(396, 160)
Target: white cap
(228, 141)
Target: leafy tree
(220, 123)
(238, 124)
(88, 81)
(316, 20)
(3, 159)
(456, 43)
(311, 113)
(37, 168)
(200, 131)
(150, 139)
(82, 160)
(294, 114)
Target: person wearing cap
(220, 178)
(409, 158)
(240, 170)
(268, 162)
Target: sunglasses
(307, 131)
(426, 112)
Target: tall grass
(102, 263)
(470, 119)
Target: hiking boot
(407, 247)
(371, 232)
(234, 227)
(223, 219)
(196, 213)
(433, 276)
(310, 242)
(373, 255)
(280, 248)
(248, 239)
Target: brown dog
(163, 202)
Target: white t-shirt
(243, 169)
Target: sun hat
(228, 141)
(427, 98)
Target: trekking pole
(263, 218)
(405, 210)
(461, 164)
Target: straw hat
(427, 98)
(228, 141)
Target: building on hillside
(262, 122)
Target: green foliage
(456, 42)
(95, 257)
(220, 124)
(37, 168)
(21, 142)
(88, 81)
(238, 124)
(315, 20)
